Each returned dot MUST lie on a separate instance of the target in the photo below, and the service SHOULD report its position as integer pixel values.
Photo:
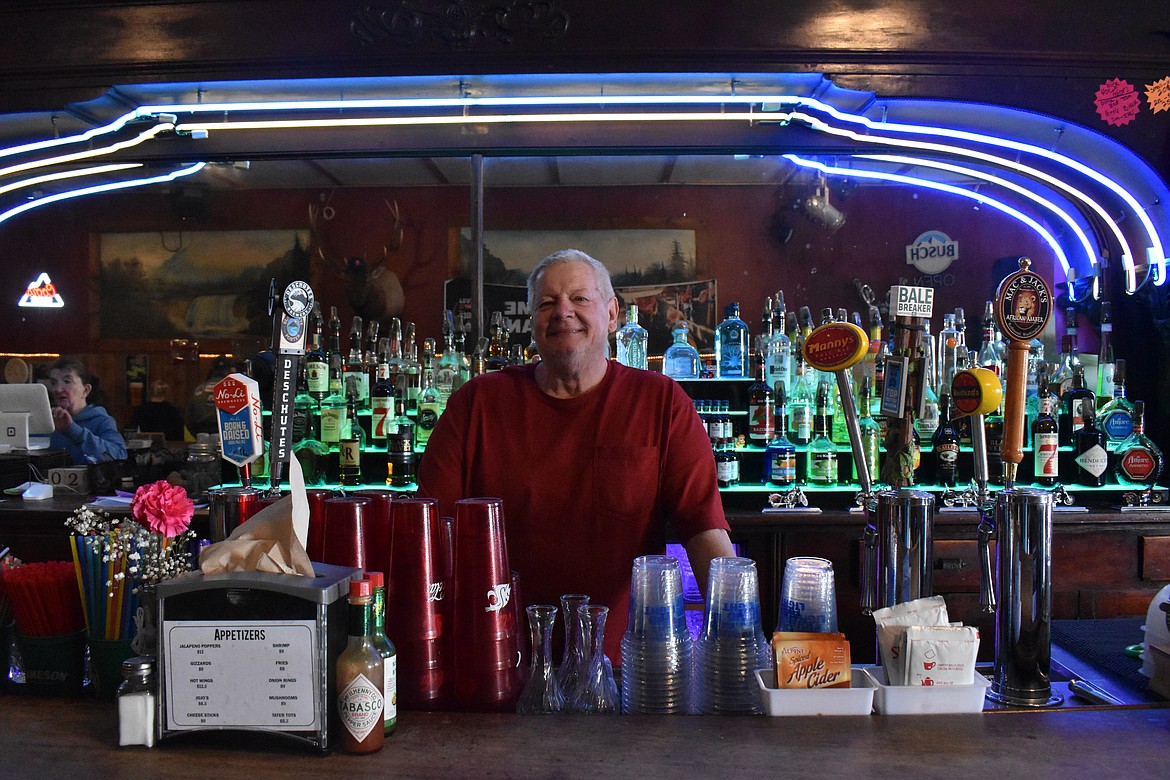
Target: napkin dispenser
(252, 651)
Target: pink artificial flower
(163, 507)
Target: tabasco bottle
(388, 652)
(360, 672)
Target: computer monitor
(26, 420)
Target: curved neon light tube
(1156, 251)
(1064, 216)
(50, 143)
(935, 185)
(1156, 255)
(48, 177)
(146, 135)
(1126, 252)
(117, 185)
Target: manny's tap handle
(1023, 306)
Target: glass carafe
(542, 694)
(573, 661)
(596, 691)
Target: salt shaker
(136, 702)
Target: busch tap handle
(290, 325)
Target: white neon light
(1155, 252)
(979, 197)
(94, 171)
(41, 294)
(117, 185)
(146, 135)
(1064, 216)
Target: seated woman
(87, 432)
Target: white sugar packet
(941, 655)
(891, 630)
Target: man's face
(572, 317)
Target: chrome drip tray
(1080, 686)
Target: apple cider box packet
(811, 660)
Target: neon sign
(41, 294)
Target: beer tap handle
(1012, 450)
(979, 453)
(1023, 305)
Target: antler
(317, 243)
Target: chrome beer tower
(1022, 523)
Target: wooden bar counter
(47, 738)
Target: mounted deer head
(373, 290)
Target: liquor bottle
(382, 397)
(1139, 460)
(1045, 436)
(336, 361)
(447, 370)
(479, 357)
(372, 355)
(945, 444)
(1116, 416)
(497, 351)
(800, 402)
(1075, 404)
(349, 448)
(780, 456)
(993, 431)
(354, 377)
(400, 447)
(334, 418)
(761, 412)
(412, 368)
(1090, 455)
(631, 340)
(779, 355)
(395, 362)
(430, 406)
(927, 423)
(681, 360)
(821, 468)
(1105, 360)
(1036, 367)
(989, 356)
(731, 345)
(317, 361)
(532, 352)
(948, 347)
(385, 649)
(303, 406)
(1061, 379)
(359, 674)
(871, 434)
(464, 358)
(727, 464)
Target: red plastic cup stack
(378, 528)
(486, 661)
(418, 603)
(316, 541)
(344, 542)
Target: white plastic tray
(920, 699)
(856, 700)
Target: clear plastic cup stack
(732, 644)
(808, 596)
(657, 652)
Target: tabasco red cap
(376, 578)
(835, 346)
(360, 589)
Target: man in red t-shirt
(593, 460)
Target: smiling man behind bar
(593, 460)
